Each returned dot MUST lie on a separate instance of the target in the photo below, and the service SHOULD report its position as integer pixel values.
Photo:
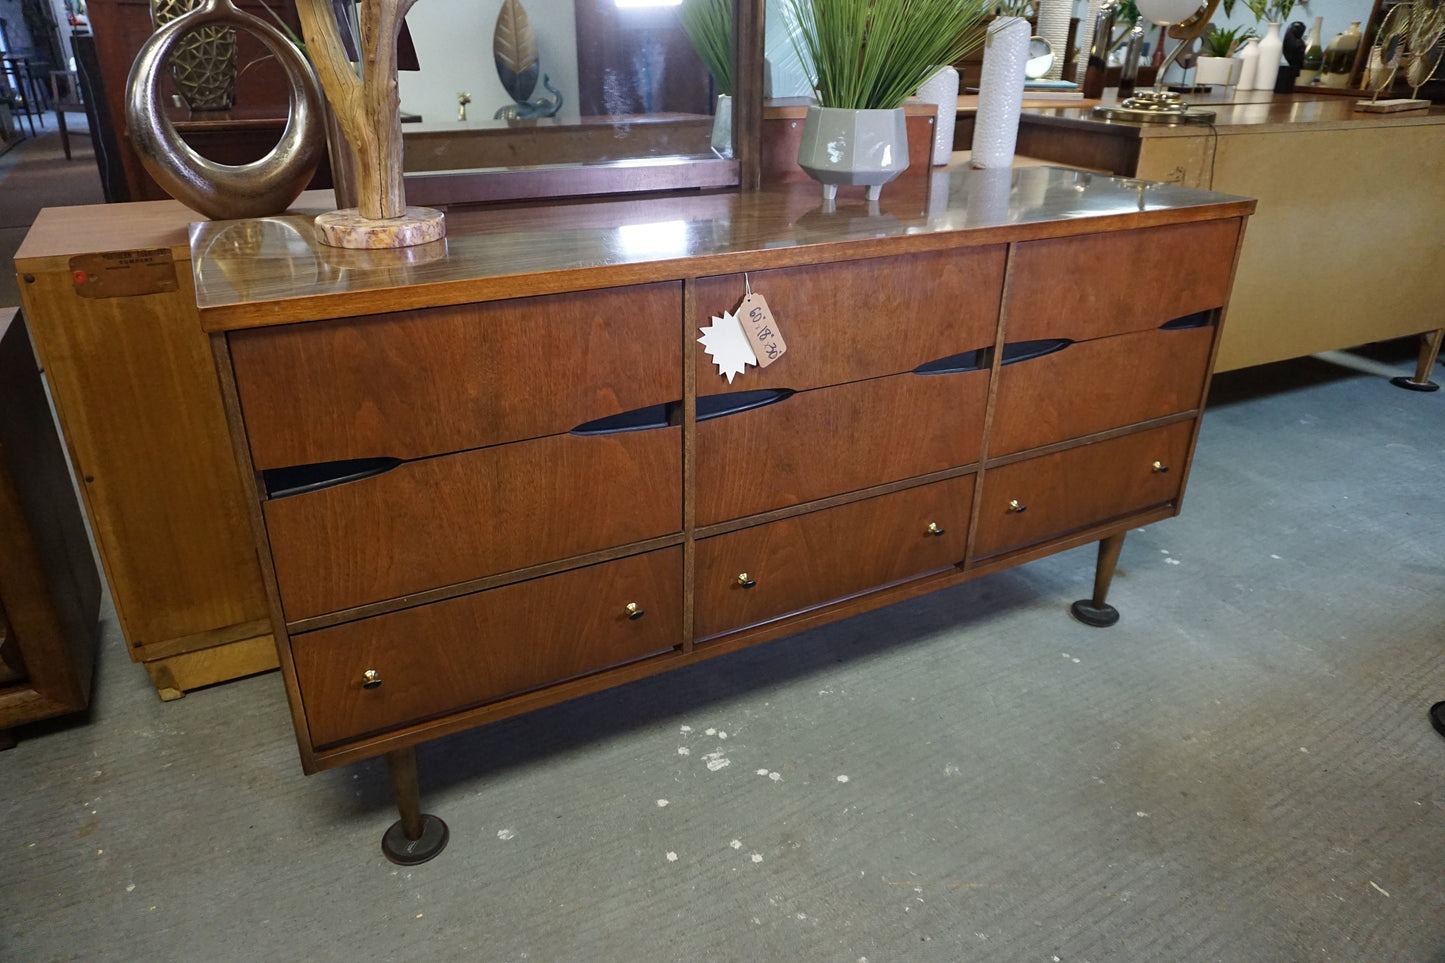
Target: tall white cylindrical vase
(1249, 58)
(1271, 48)
(1000, 92)
(1054, 16)
(941, 90)
(1086, 40)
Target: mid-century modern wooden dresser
(501, 471)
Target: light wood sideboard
(501, 471)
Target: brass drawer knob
(746, 582)
(1159, 468)
(1016, 508)
(370, 679)
(634, 611)
(933, 529)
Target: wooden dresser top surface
(272, 270)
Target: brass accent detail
(634, 611)
(1016, 508)
(370, 679)
(1159, 468)
(933, 529)
(746, 582)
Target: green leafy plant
(1270, 11)
(873, 54)
(1222, 43)
(709, 28)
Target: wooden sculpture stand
(368, 110)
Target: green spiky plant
(709, 28)
(1221, 43)
(873, 54)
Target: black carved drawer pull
(634, 611)
(370, 679)
(746, 582)
(933, 529)
(1199, 319)
(1016, 508)
(975, 360)
(1028, 350)
(734, 403)
(1159, 468)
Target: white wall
(454, 47)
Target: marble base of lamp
(347, 228)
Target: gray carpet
(1242, 769)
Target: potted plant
(708, 25)
(1216, 63)
(863, 58)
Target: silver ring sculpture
(222, 191)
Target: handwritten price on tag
(762, 330)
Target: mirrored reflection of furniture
(1345, 248)
(49, 588)
(448, 542)
(64, 97)
(136, 397)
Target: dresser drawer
(419, 383)
(1090, 386)
(448, 519)
(861, 319)
(829, 441)
(1031, 501)
(799, 563)
(1091, 287)
(452, 655)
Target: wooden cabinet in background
(518, 477)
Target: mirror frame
(630, 175)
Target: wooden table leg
(1429, 351)
(7, 739)
(1096, 611)
(417, 836)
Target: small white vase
(941, 91)
(722, 127)
(1271, 48)
(853, 147)
(1248, 58)
(1000, 92)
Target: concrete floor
(1242, 769)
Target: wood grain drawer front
(451, 655)
(802, 562)
(861, 319)
(1103, 284)
(1092, 386)
(419, 383)
(440, 521)
(1032, 501)
(829, 441)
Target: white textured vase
(1054, 16)
(1000, 92)
(1086, 40)
(1271, 48)
(941, 90)
(722, 127)
(853, 147)
(1249, 59)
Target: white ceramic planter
(1214, 70)
(853, 147)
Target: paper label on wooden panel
(762, 329)
(123, 274)
(728, 345)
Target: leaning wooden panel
(427, 382)
(138, 400)
(444, 520)
(837, 439)
(448, 656)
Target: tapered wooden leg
(417, 836)
(1429, 351)
(1096, 611)
(7, 739)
